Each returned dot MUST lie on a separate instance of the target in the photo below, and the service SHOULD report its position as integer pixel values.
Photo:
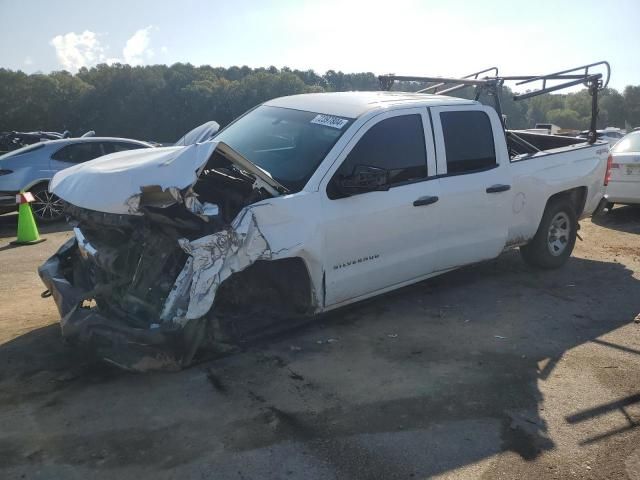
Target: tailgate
(625, 167)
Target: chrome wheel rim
(558, 235)
(47, 206)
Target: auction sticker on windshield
(330, 121)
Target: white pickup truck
(304, 204)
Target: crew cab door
(376, 240)
(475, 196)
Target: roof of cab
(354, 104)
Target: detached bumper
(168, 347)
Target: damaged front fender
(213, 259)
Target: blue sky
(400, 36)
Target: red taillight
(607, 175)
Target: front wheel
(556, 236)
(46, 207)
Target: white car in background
(624, 177)
(610, 135)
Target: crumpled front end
(136, 288)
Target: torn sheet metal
(151, 313)
(170, 342)
(212, 260)
(204, 210)
(113, 340)
(153, 196)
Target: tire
(46, 207)
(600, 208)
(556, 236)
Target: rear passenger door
(475, 189)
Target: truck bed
(520, 142)
(539, 176)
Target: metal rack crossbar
(473, 76)
(594, 81)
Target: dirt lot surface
(492, 371)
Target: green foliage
(160, 102)
(566, 117)
(632, 103)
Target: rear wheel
(556, 236)
(46, 207)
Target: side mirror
(364, 178)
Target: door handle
(498, 188)
(424, 201)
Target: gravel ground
(491, 371)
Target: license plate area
(633, 169)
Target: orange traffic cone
(27, 228)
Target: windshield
(630, 143)
(289, 144)
(20, 151)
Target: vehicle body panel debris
(212, 259)
(153, 237)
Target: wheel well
(275, 285)
(38, 183)
(577, 196)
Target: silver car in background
(31, 168)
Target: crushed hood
(109, 183)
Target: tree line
(161, 103)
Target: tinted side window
(122, 146)
(395, 144)
(78, 153)
(468, 141)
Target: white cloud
(137, 47)
(164, 49)
(78, 50)
(28, 61)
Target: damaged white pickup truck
(304, 204)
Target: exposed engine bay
(137, 288)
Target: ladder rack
(492, 84)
